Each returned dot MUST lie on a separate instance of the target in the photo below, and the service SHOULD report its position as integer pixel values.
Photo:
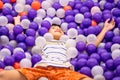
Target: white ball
(48, 36)
(115, 1)
(21, 2)
(63, 2)
(95, 9)
(60, 13)
(9, 68)
(116, 31)
(116, 53)
(10, 27)
(64, 38)
(25, 63)
(19, 7)
(51, 12)
(36, 50)
(28, 56)
(45, 5)
(3, 21)
(78, 18)
(101, 24)
(43, 78)
(99, 77)
(4, 40)
(4, 52)
(56, 20)
(81, 38)
(70, 43)
(95, 0)
(115, 46)
(48, 19)
(25, 23)
(17, 49)
(41, 13)
(13, 43)
(38, 20)
(102, 3)
(40, 41)
(72, 52)
(72, 33)
(64, 26)
(97, 70)
(91, 38)
(27, 7)
(7, 5)
(101, 45)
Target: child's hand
(17, 20)
(109, 25)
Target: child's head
(56, 31)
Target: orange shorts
(52, 73)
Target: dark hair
(55, 25)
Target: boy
(53, 67)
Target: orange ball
(16, 65)
(94, 23)
(67, 8)
(36, 5)
(23, 13)
(1, 69)
(12, 1)
(1, 4)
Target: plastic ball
(95, 9)
(84, 9)
(67, 8)
(4, 40)
(81, 38)
(81, 63)
(45, 5)
(35, 58)
(36, 50)
(9, 60)
(19, 7)
(69, 12)
(96, 56)
(25, 23)
(25, 63)
(36, 5)
(32, 13)
(99, 77)
(21, 2)
(92, 62)
(42, 31)
(85, 70)
(17, 29)
(116, 12)
(3, 21)
(6, 11)
(91, 48)
(72, 25)
(38, 20)
(116, 39)
(82, 55)
(23, 13)
(97, 17)
(33, 25)
(10, 27)
(8, 68)
(91, 38)
(1, 4)
(64, 26)
(91, 30)
(81, 46)
(2, 65)
(60, 13)
(4, 52)
(78, 18)
(48, 36)
(64, 38)
(7, 5)
(13, 43)
(56, 20)
(63, 3)
(117, 70)
(110, 64)
(51, 12)
(46, 24)
(4, 31)
(9, 47)
(105, 56)
(101, 45)
(20, 37)
(72, 52)
(30, 32)
(40, 41)
(86, 24)
(30, 41)
(16, 65)
(108, 46)
(115, 46)
(116, 78)
(102, 3)
(22, 45)
(115, 53)
(72, 33)
(41, 13)
(95, 71)
(116, 31)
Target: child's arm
(107, 26)
(17, 20)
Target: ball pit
(81, 21)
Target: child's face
(56, 31)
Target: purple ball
(91, 48)
(118, 4)
(111, 1)
(30, 32)
(23, 17)
(105, 56)
(69, 18)
(76, 11)
(116, 61)
(98, 30)
(86, 22)
(97, 17)
(89, 3)
(72, 25)
(107, 16)
(92, 62)
(116, 39)
(30, 41)
(34, 25)
(81, 63)
(69, 12)
(4, 31)
(11, 36)
(22, 45)
(14, 13)
(35, 58)
(6, 1)
(18, 56)
(108, 6)
(118, 70)
(82, 56)
(109, 35)
(84, 9)
(116, 78)
(32, 14)
(117, 20)
(101, 50)
(116, 12)
(2, 65)
(119, 26)
(9, 47)
(20, 37)
(85, 31)
(110, 64)
(80, 31)
(108, 46)
(91, 30)
(71, 3)
(74, 62)
(78, 6)
(81, 46)
(10, 18)
(56, 5)
(96, 56)
(86, 71)
(108, 75)
(87, 15)
(29, 2)
(6, 11)
(42, 31)
(9, 60)
(106, 12)
(17, 29)
(46, 24)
